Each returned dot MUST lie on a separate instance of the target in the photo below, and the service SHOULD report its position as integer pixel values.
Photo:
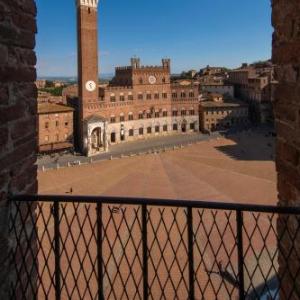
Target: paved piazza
(237, 169)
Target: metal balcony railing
(77, 247)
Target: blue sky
(193, 33)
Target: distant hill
(105, 76)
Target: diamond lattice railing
(92, 249)
(167, 253)
(122, 252)
(215, 254)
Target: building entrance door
(183, 127)
(113, 137)
(96, 139)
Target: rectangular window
(156, 128)
(141, 131)
(149, 96)
(140, 96)
(157, 114)
(174, 95)
(130, 132)
(183, 95)
(122, 98)
(47, 125)
(183, 113)
(175, 113)
(156, 96)
(165, 128)
(112, 99)
(175, 127)
(122, 119)
(130, 97)
(149, 130)
(112, 120)
(192, 112)
(165, 113)
(130, 117)
(191, 95)
(56, 123)
(149, 116)
(141, 116)
(165, 95)
(192, 126)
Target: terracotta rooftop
(46, 108)
(233, 103)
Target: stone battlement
(118, 88)
(89, 3)
(127, 68)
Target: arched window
(130, 117)
(122, 118)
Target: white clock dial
(90, 85)
(152, 79)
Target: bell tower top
(88, 3)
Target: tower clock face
(152, 79)
(90, 85)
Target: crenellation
(88, 3)
(119, 88)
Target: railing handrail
(159, 202)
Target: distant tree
(57, 91)
(187, 75)
(54, 91)
(49, 84)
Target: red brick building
(217, 113)
(140, 101)
(55, 127)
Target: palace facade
(140, 102)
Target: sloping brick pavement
(206, 171)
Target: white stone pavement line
(92, 161)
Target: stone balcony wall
(18, 108)
(286, 55)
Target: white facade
(121, 131)
(95, 136)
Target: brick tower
(87, 30)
